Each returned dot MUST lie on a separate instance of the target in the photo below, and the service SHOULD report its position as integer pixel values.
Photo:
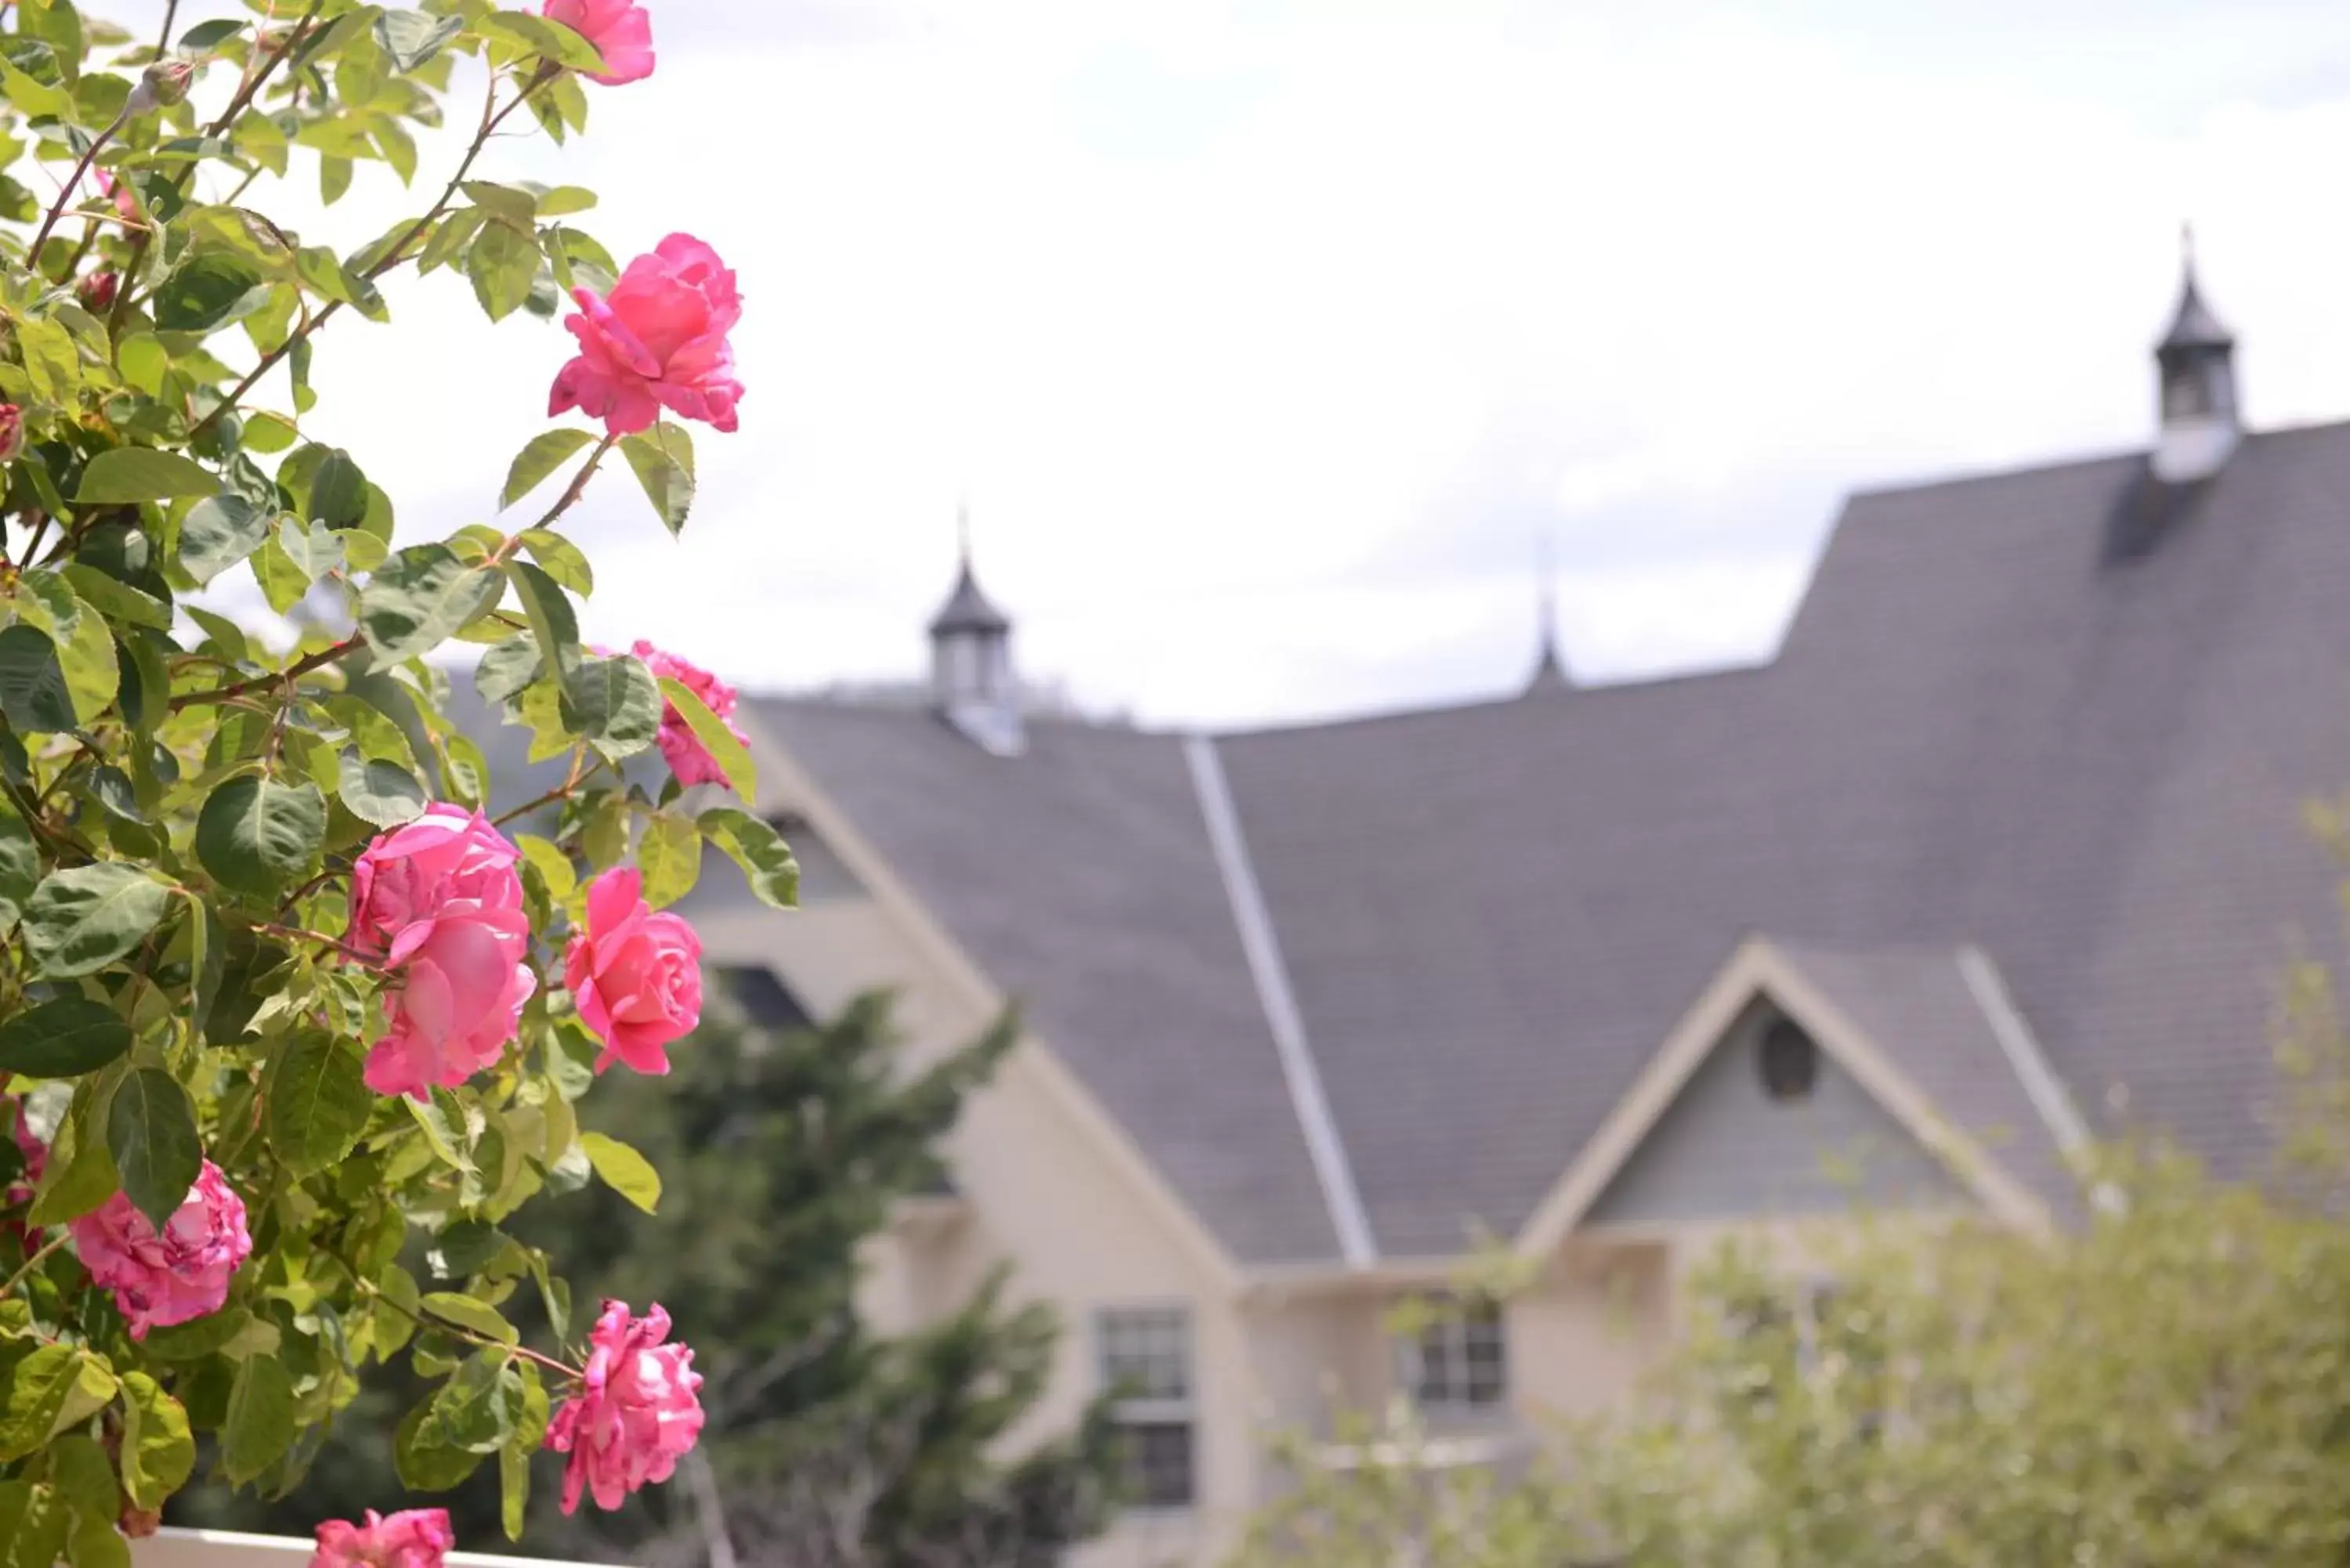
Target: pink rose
(689, 759)
(658, 341)
(419, 870)
(636, 975)
(414, 1538)
(175, 1277)
(637, 1414)
(97, 292)
(126, 200)
(11, 433)
(458, 983)
(620, 31)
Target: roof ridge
(1323, 1143)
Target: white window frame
(1452, 1326)
(1173, 1322)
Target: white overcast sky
(1266, 339)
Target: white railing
(235, 1549)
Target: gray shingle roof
(1989, 725)
(1078, 877)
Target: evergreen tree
(783, 1151)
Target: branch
(579, 482)
(245, 92)
(561, 792)
(292, 673)
(390, 258)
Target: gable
(1724, 1149)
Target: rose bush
(293, 1018)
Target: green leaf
(20, 868)
(467, 1312)
(159, 1453)
(318, 1102)
(505, 669)
(282, 582)
(725, 747)
(207, 961)
(194, 1340)
(225, 634)
(314, 549)
(220, 532)
(337, 493)
(563, 561)
(51, 362)
(379, 793)
(624, 1170)
(143, 361)
(564, 199)
(420, 597)
(134, 473)
(38, 1388)
(663, 462)
(502, 263)
(765, 859)
(474, 1411)
(93, 1541)
(511, 204)
(669, 855)
(151, 1131)
(514, 1489)
(553, 40)
(445, 1135)
(84, 1475)
(34, 696)
(116, 599)
(409, 38)
(613, 702)
(33, 98)
(208, 291)
(538, 459)
(395, 1321)
(63, 1039)
(91, 667)
(260, 836)
(553, 865)
(260, 1425)
(554, 627)
(425, 1462)
(210, 34)
(79, 921)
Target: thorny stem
(34, 1262)
(245, 92)
(571, 1374)
(579, 482)
(396, 255)
(171, 14)
(301, 934)
(287, 676)
(576, 778)
(73, 183)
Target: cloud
(1264, 340)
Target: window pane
(1158, 1463)
(1146, 1353)
(1460, 1358)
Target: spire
(2192, 325)
(2194, 367)
(971, 659)
(967, 609)
(1550, 669)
